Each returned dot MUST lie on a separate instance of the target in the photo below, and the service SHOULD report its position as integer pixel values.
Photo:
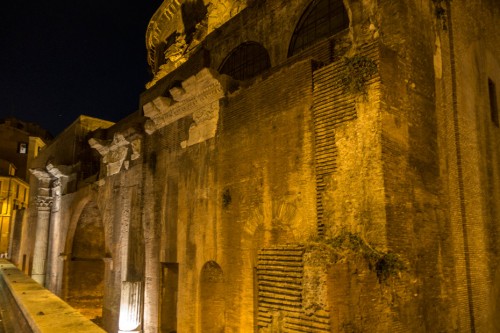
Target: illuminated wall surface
(295, 166)
(14, 194)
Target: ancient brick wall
(465, 62)
(224, 197)
(349, 188)
(416, 214)
(378, 175)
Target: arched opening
(212, 298)
(84, 288)
(321, 19)
(246, 61)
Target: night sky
(63, 58)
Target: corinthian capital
(43, 202)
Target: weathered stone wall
(416, 212)
(379, 168)
(466, 58)
(229, 196)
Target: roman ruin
(293, 166)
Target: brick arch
(75, 216)
(88, 235)
(212, 298)
(320, 19)
(246, 61)
(81, 203)
(83, 277)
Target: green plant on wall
(356, 72)
(345, 244)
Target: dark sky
(63, 58)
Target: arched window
(246, 61)
(321, 19)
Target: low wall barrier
(36, 309)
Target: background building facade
(20, 143)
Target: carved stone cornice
(115, 154)
(168, 20)
(161, 19)
(60, 171)
(41, 174)
(104, 147)
(198, 96)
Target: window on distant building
(22, 148)
(246, 61)
(493, 102)
(321, 19)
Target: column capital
(43, 202)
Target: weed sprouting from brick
(345, 245)
(356, 72)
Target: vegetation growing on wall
(345, 244)
(356, 72)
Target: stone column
(43, 204)
(130, 307)
(60, 175)
(53, 250)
